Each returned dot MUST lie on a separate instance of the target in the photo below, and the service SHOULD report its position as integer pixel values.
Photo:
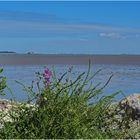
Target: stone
(131, 105)
(7, 106)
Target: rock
(131, 105)
(5, 104)
(7, 107)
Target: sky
(70, 27)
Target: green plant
(64, 108)
(3, 84)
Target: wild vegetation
(59, 108)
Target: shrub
(62, 108)
(2, 83)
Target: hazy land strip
(40, 59)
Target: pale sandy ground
(35, 59)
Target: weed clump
(63, 108)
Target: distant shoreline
(40, 59)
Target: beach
(40, 59)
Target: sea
(126, 78)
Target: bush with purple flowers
(63, 109)
(47, 76)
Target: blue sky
(70, 27)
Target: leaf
(2, 93)
(1, 70)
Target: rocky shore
(130, 105)
(6, 107)
(127, 111)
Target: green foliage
(2, 83)
(65, 108)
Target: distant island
(7, 52)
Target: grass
(66, 109)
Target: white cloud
(83, 39)
(30, 28)
(113, 35)
(137, 35)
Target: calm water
(126, 77)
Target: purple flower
(47, 76)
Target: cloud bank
(113, 35)
(28, 24)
